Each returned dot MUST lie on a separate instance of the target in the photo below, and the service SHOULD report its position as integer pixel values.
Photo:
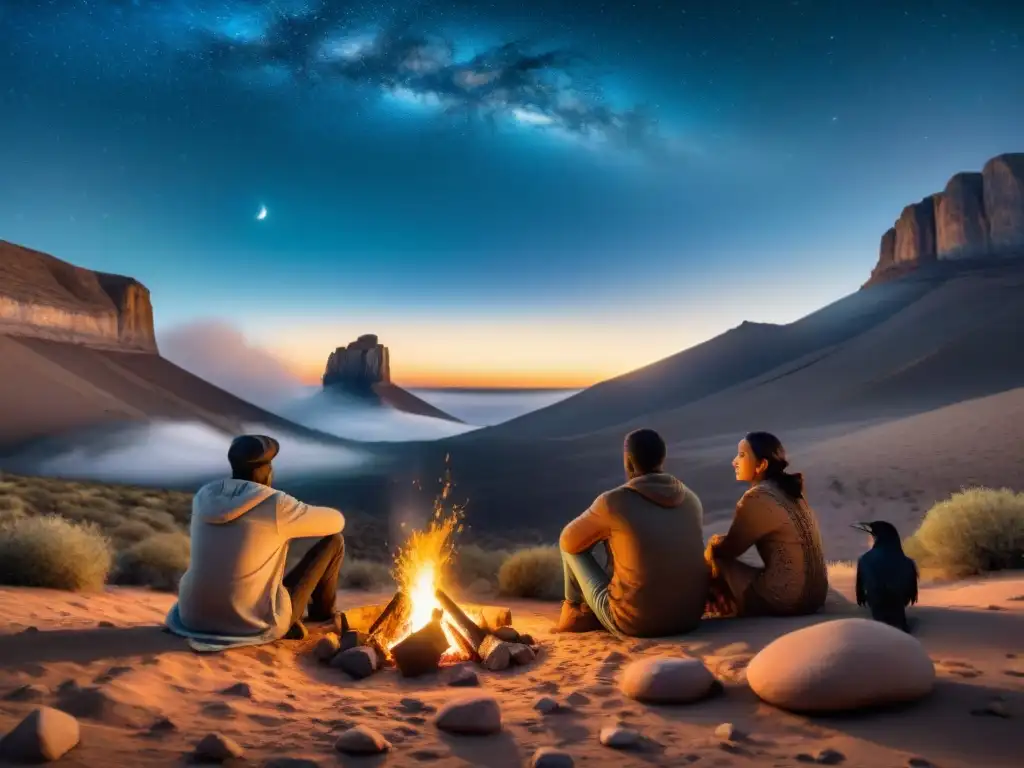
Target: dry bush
(534, 573)
(473, 564)
(365, 574)
(55, 553)
(975, 531)
(129, 532)
(158, 561)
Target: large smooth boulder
(1004, 203)
(667, 680)
(961, 231)
(840, 666)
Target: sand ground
(134, 675)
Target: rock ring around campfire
(361, 740)
(470, 716)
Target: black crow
(886, 577)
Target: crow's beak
(861, 527)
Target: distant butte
(978, 217)
(363, 369)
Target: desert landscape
(379, 381)
(903, 402)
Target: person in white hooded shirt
(236, 591)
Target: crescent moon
(262, 214)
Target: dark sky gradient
(533, 176)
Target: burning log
(421, 651)
(465, 625)
(464, 645)
(390, 610)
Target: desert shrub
(365, 574)
(473, 563)
(129, 532)
(975, 531)
(157, 561)
(534, 573)
(53, 552)
(157, 519)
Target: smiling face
(747, 466)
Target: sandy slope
(973, 632)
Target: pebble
(412, 706)
(829, 757)
(549, 757)
(217, 748)
(464, 677)
(43, 736)
(326, 647)
(617, 737)
(163, 725)
(546, 705)
(577, 699)
(242, 690)
(729, 732)
(361, 740)
(107, 625)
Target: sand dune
(123, 678)
(56, 388)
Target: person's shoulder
(758, 494)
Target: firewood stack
(493, 643)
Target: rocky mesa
(44, 297)
(363, 369)
(977, 216)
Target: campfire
(422, 628)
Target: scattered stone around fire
(549, 757)
(659, 680)
(619, 737)
(361, 740)
(464, 677)
(217, 748)
(357, 662)
(43, 736)
(470, 716)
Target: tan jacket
(240, 533)
(653, 526)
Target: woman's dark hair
(767, 447)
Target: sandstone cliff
(44, 297)
(977, 216)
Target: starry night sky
(511, 192)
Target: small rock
(729, 732)
(549, 757)
(919, 762)
(163, 725)
(617, 737)
(357, 662)
(829, 757)
(994, 708)
(43, 736)
(29, 631)
(527, 640)
(464, 677)
(361, 740)
(577, 699)
(27, 692)
(546, 705)
(660, 680)
(496, 654)
(472, 715)
(217, 748)
(326, 647)
(412, 706)
(803, 757)
(508, 634)
(241, 690)
(106, 625)
(521, 654)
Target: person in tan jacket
(653, 529)
(773, 516)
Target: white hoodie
(240, 533)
